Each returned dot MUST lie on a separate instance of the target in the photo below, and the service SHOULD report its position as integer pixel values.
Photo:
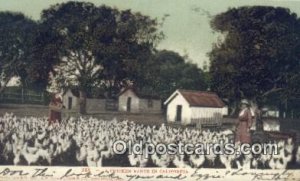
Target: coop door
(70, 103)
(128, 104)
(178, 113)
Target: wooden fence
(23, 97)
(111, 105)
(211, 122)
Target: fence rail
(111, 105)
(23, 98)
(200, 122)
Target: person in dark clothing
(55, 108)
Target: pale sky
(187, 28)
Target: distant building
(93, 105)
(195, 107)
(269, 111)
(71, 99)
(130, 100)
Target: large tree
(96, 44)
(166, 71)
(17, 34)
(43, 57)
(259, 56)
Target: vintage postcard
(126, 90)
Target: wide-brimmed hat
(245, 101)
(58, 95)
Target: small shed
(93, 104)
(194, 107)
(71, 99)
(130, 100)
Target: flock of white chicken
(88, 142)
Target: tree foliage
(259, 55)
(17, 34)
(97, 45)
(167, 71)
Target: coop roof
(139, 94)
(198, 98)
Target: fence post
(22, 95)
(43, 101)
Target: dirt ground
(24, 110)
(41, 111)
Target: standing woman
(244, 124)
(55, 107)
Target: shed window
(150, 103)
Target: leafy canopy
(97, 45)
(17, 34)
(259, 55)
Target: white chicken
(179, 162)
(162, 161)
(197, 160)
(36, 141)
(133, 159)
(29, 157)
(289, 146)
(82, 154)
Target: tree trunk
(257, 116)
(82, 102)
(286, 108)
(234, 109)
(281, 110)
(259, 121)
(259, 136)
